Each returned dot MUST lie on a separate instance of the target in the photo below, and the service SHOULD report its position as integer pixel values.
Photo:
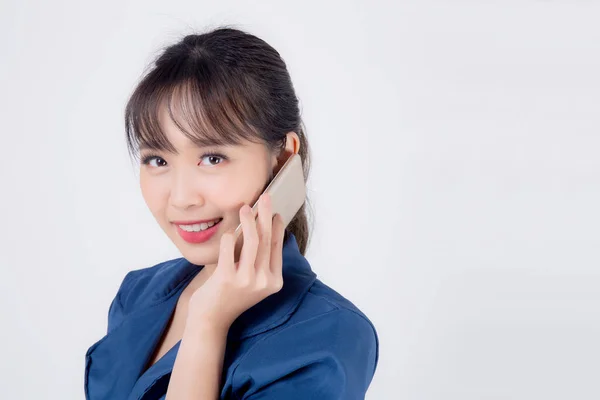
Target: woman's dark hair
(227, 85)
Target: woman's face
(195, 185)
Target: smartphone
(288, 192)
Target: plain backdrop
(455, 182)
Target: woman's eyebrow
(157, 148)
(198, 146)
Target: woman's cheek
(238, 189)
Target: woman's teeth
(200, 227)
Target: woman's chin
(199, 259)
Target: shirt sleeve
(329, 357)
(115, 310)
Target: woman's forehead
(181, 143)
(176, 121)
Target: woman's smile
(198, 233)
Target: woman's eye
(212, 159)
(207, 159)
(149, 159)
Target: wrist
(206, 326)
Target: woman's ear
(292, 145)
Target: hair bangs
(207, 111)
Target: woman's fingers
(263, 256)
(276, 250)
(226, 253)
(250, 245)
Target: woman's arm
(232, 288)
(197, 370)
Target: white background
(455, 182)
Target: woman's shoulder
(327, 341)
(323, 304)
(149, 284)
(325, 311)
(323, 319)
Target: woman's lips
(198, 237)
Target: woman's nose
(185, 191)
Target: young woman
(212, 122)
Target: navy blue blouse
(304, 342)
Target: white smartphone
(288, 192)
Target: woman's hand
(234, 287)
